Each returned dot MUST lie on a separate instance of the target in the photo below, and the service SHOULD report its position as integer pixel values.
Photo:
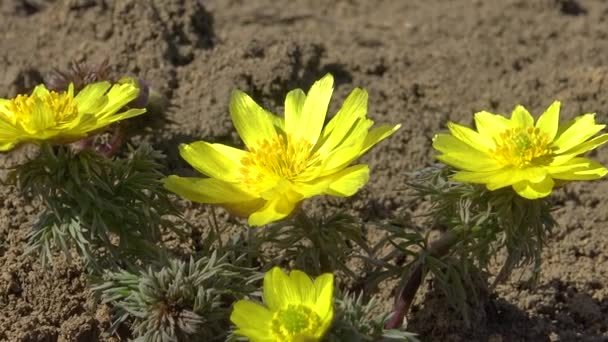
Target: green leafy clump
(180, 301)
(475, 226)
(486, 222)
(317, 244)
(357, 320)
(109, 209)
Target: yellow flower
(62, 117)
(297, 309)
(288, 159)
(519, 153)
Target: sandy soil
(423, 63)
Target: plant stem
(404, 300)
(46, 150)
(110, 149)
(311, 230)
(325, 264)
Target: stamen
(521, 147)
(284, 158)
(294, 321)
(23, 110)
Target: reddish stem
(404, 300)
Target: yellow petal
(576, 132)
(85, 122)
(339, 159)
(470, 137)
(348, 181)
(91, 98)
(476, 177)
(304, 286)
(497, 179)
(278, 290)
(376, 135)
(3, 110)
(252, 320)
(275, 209)
(269, 294)
(357, 134)
(467, 162)
(40, 90)
(244, 208)
(351, 148)
(532, 190)
(513, 175)
(341, 125)
(448, 144)
(277, 186)
(494, 179)
(118, 96)
(214, 160)
(316, 187)
(294, 103)
(7, 130)
(6, 146)
(42, 117)
(324, 292)
(277, 122)
(324, 289)
(574, 163)
(206, 190)
(460, 155)
(580, 149)
(579, 169)
(123, 116)
(342, 183)
(489, 124)
(548, 122)
(251, 121)
(520, 117)
(312, 118)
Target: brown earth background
(423, 63)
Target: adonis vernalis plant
(111, 210)
(180, 301)
(519, 153)
(297, 308)
(64, 117)
(532, 158)
(287, 159)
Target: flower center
(521, 147)
(38, 112)
(284, 157)
(295, 323)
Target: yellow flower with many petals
(287, 159)
(519, 153)
(62, 117)
(297, 309)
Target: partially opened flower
(287, 159)
(519, 153)
(80, 74)
(297, 309)
(64, 117)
